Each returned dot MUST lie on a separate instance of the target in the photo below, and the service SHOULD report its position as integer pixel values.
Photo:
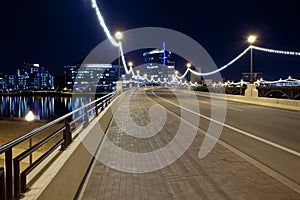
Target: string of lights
(110, 37)
(130, 70)
(103, 25)
(288, 81)
(215, 71)
(277, 51)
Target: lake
(44, 108)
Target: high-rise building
(1, 82)
(10, 82)
(159, 64)
(255, 76)
(34, 77)
(91, 77)
(70, 73)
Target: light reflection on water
(44, 108)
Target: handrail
(17, 141)
(19, 184)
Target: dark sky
(60, 32)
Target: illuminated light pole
(119, 83)
(176, 75)
(251, 90)
(119, 37)
(138, 77)
(145, 78)
(130, 64)
(175, 79)
(189, 65)
(251, 40)
(30, 117)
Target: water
(44, 108)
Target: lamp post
(251, 40)
(30, 117)
(175, 79)
(251, 90)
(130, 64)
(119, 37)
(189, 65)
(145, 78)
(138, 78)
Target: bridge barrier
(53, 175)
(64, 177)
(262, 101)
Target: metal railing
(12, 180)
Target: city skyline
(65, 32)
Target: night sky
(60, 32)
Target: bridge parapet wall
(65, 175)
(289, 92)
(262, 101)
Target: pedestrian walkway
(220, 175)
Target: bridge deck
(220, 175)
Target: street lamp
(251, 40)
(130, 64)
(30, 117)
(251, 90)
(175, 78)
(119, 37)
(138, 77)
(189, 65)
(176, 74)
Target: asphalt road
(270, 136)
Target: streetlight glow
(119, 35)
(130, 64)
(188, 65)
(251, 39)
(30, 116)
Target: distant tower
(160, 64)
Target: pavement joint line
(281, 178)
(291, 151)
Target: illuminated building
(159, 64)
(91, 77)
(33, 77)
(256, 76)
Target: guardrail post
(96, 109)
(8, 174)
(16, 178)
(86, 119)
(2, 184)
(67, 134)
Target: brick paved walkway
(220, 175)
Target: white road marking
(291, 151)
(236, 109)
